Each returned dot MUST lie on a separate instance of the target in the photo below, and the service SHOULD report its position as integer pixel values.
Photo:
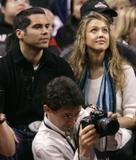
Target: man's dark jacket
(22, 88)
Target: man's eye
(47, 25)
(37, 26)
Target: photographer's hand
(87, 137)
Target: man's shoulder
(126, 49)
(127, 52)
(51, 57)
(45, 133)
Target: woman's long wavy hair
(79, 57)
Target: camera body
(104, 125)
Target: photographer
(57, 135)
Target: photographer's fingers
(88, 134)
(87, 128)
(87, 137)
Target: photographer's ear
(45, 108)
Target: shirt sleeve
(129, 92)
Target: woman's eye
(105, 30)
(93, 30)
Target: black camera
(104, 125)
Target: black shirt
(22, 87)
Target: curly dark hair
(63, 92)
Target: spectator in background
(125, 26)
(24, 73)
(118, 5)
(66, 34)
(53, 46)
(57, 138)
(41, 3)
(61, 10)
(9, 9)
(133, 2)
(7, 141)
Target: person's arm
(127, 122)
(129, 99)
(7, 142)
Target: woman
(106, 80)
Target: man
(9, 9)
(57, 137)
(7, 142)
(24, 74)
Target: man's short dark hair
(21, 20)
(63, 92)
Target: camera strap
(71, 145)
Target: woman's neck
(95, 61)
(96, 73)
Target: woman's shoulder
(127, 67)
(129, 72)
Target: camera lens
(107, 126)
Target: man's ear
(19, 33)
(45, 108)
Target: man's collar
(49, 123)
(46, 57)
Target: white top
(125, 99)
(51, 145)
(125, 102)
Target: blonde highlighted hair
(79, 55)
(125, 22)
(116, 3)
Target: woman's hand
(112, 115)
